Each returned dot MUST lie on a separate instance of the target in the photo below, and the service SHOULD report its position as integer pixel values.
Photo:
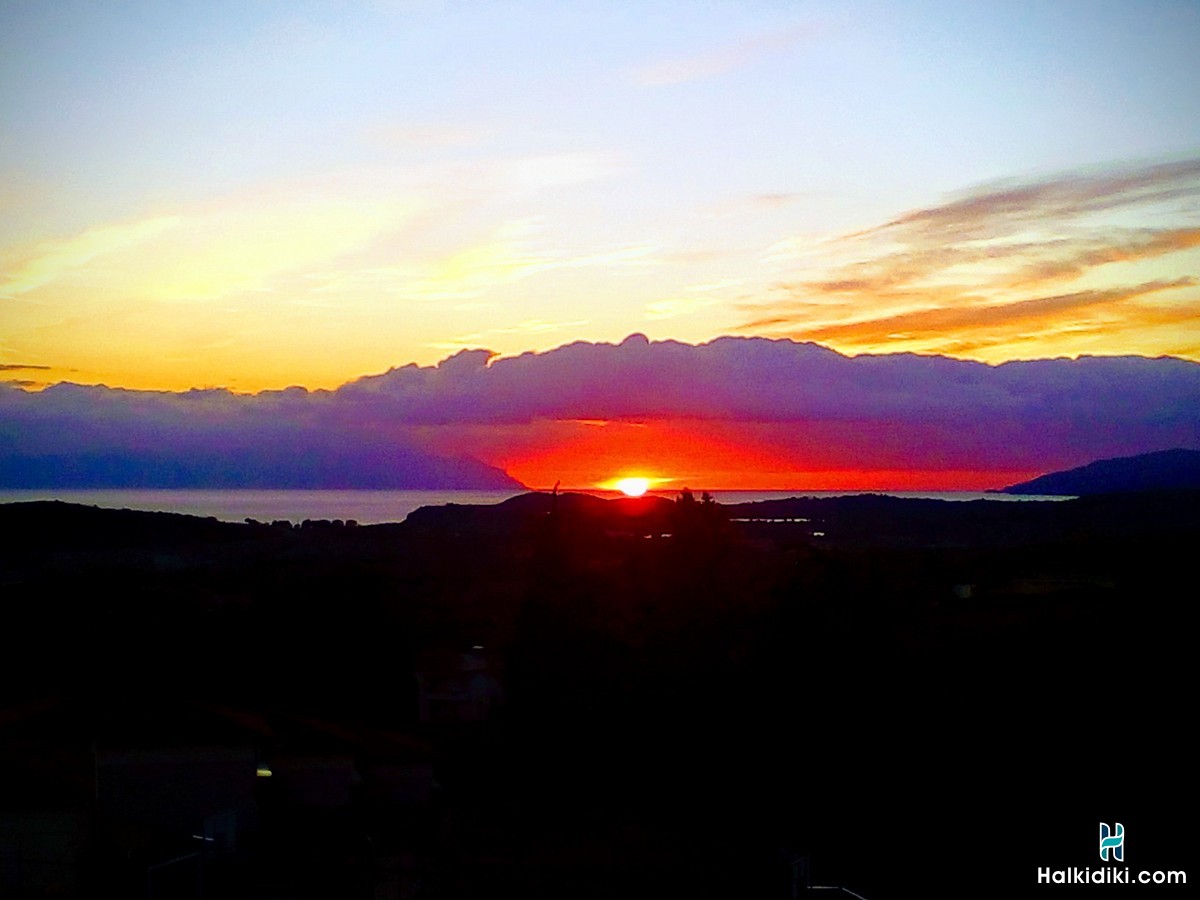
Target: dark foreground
(575, 698)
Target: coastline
(371, 507)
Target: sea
(368, 507)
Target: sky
(256, 195)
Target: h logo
(1112, 840)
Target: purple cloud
(897, 410)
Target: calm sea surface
(373, 507)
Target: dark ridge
(877, 520)
(625, 513)
(567, 696)
(1163, 470)
(56, 525)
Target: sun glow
(632, 487)
(712, 456)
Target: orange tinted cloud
(1063, 266)
(1009, 208)
(1078, 262)
(998, 321)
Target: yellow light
(633, 487)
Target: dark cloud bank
(929, 412)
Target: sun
(632, 487)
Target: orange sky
(705, 456)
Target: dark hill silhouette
(1164, 470)
(642, 514)
(876, 520)
(692, 695)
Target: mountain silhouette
(1164, 470)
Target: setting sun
(633, 487)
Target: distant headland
(1164, 470)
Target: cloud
(48, 261)
(541, 326)
(1057, 311)
(427, 136)
(721, 59)
(677, 306)
(1004, 209)
(696, 297)
(1079, 255)
(234, 244)
(335, 232)
(507, 256)
(9, 375)
(76, 436)
(1075, 258)
(781, 402)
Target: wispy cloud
(48, 261)
(692, 299)
(510, 254)
(260, 238)
(721, 59)
(1001, 269)
(998, 322)
(19, 375)
(1003, 209)
(678, 306)
(541, 326)
(426, 136)
(232, 244)
(1077, 258)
